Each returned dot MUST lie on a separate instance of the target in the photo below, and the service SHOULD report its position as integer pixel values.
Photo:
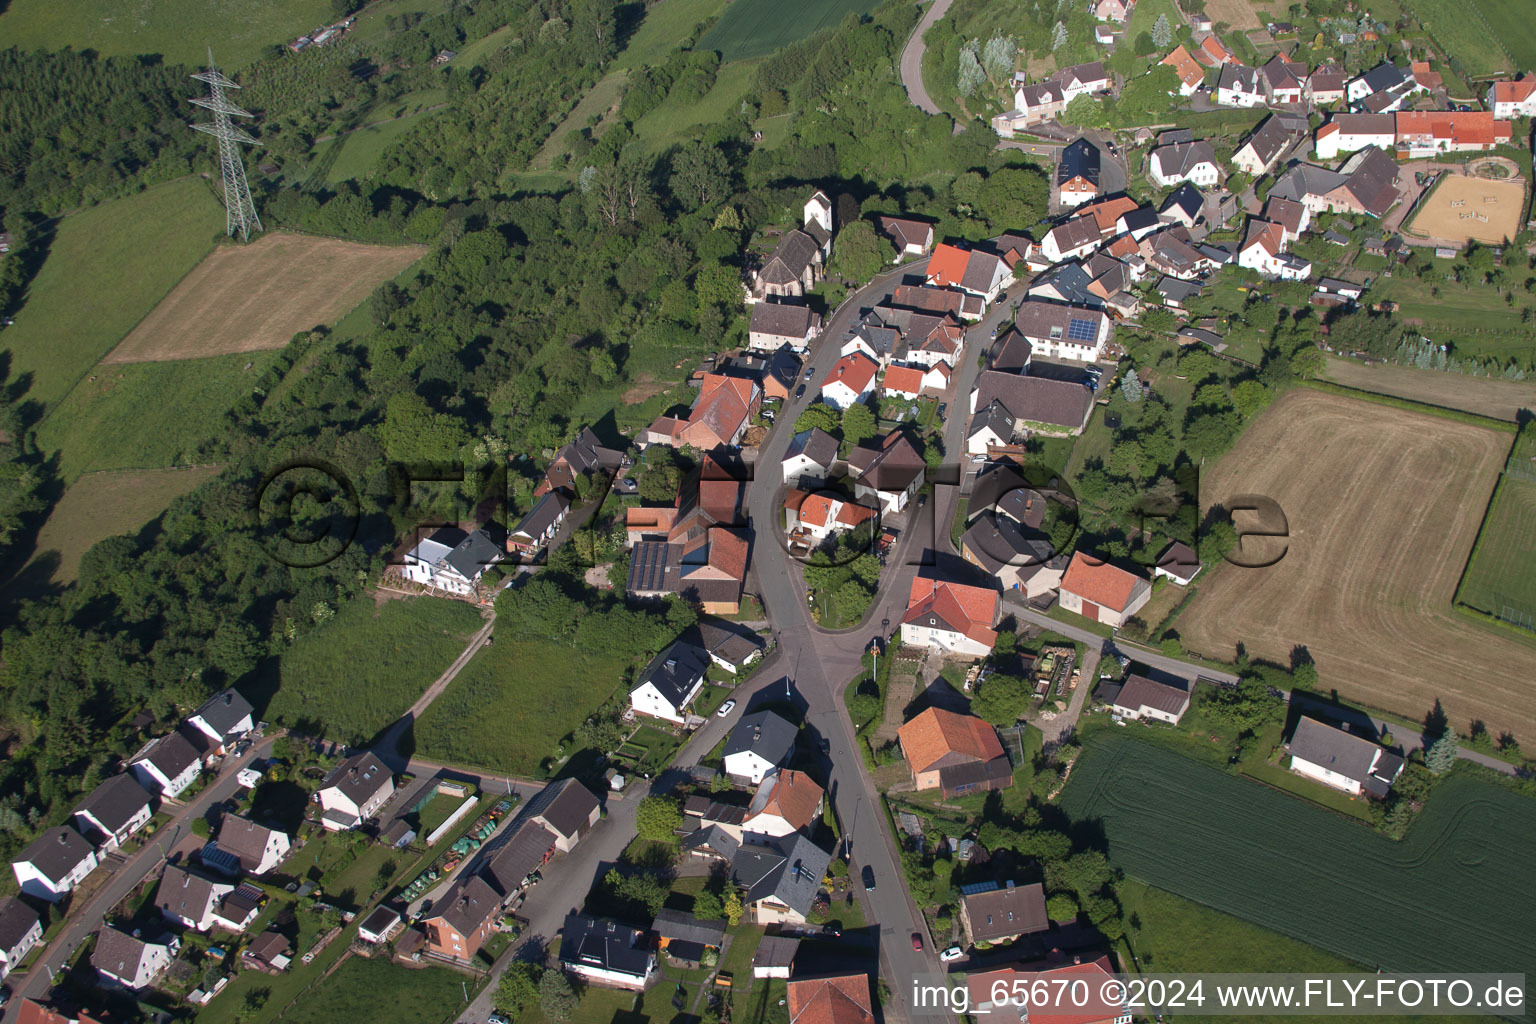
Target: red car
(917, 941)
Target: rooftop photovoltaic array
(1081, 330)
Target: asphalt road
(85, 920)
(912, 58)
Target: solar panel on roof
(1081, 330)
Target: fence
(1517, 617)
(1521, 468)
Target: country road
(912, 58)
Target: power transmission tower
(239, 211)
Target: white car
(952, 953)
(726, 708)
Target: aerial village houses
(1264, 248)
(1179, 564)
(1102, 592)
(888, 474)
(1142, 698)
(1239, 86)
(781, 877)
(540, 525)
(54, 863)
(1512, 99)
(1341, 759)
(784, 803)
(693, 548)
(719, 418)
(567, 809)
(115, 810)
(1191, 74)
(1415, 133)
(1042, 404)
(1190, 161)
(844, 999)
(1263, 147)
(808, 459)
(584, 456)
(952, 617)
(851, 378)
(1102, 1002)
(223, 719)
(911, 238)
(167, 765)
(452, 560)
(1062, 332)
(796, 264)
(354, 792)
(202, 904)
(809, 519)
(462, 919)
(244, 846)
(973, 271)
(129, 961)
(956, 754)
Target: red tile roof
(1185, 66)
(1099, 582)
(728, 552)
(969, 610)
(1470, 128)
(1058, 978)
(906, 379)
(937, 734)
(947, 264)
(1212, 52)
(1514, 92)
(856, 370)
(1106, 212)
(791, 795)
(841, 1000)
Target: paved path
(85, 919)
(912, 58)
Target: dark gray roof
(973, 773)
(1304, 180)
(728, 641)
(1175, 136)
(1354, 757)
(1372, 180)
(1177, 290)
(675, 671)
(359, 777)
(1139, 690)
(1069, 280)
(1187, 198)
(776, 951)
(998, 542)
(996, 417)
(474, 553)
(713, 839)
(1384, 76)
(1268, 139)
(605, 944)
(1182, 158)
(796, 251)
(815, 444)
(118, 953)
(243, 839)
(544, 512)
(225, 710)
(653, 566)
(1215, 253)
(781, 319)
(519, 856)
(1078, 160)
(171, 754)
(680, 925)
(1036, 320)
(16, 920)
(56, 852)
(1238, 78)
(1180, 559)
(566, 806)
(382, 917)
(115, 802)
(1139, 219)
(1037, 399)
(183, 894)
(789, 872)
(766, 734)
(1006, 911)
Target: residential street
(912, 58)
(84, 920)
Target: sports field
(1464, 208)
(147, 415)
(1500, 399)
(245, 298)
(106, 269)
(182, 30)
(1446, 898)
(1383, 506)
(1501, 577)
(104, 505)
(1488, 36)
(755, 28)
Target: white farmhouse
(54, 863)
(354, 792)
(760, 745)
(670, 682)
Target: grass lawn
(148, 415)
(360, 150)
(104, 505)
(286, 991)
(1500, 579)
(1200, 831)
(755, 28)
(97, 284)
(659, 748)
(179, 29)
(606, 1006)
(665, 24)
(1457, 310)
(362, 670)
(379, 991)
(1479, 32)
(673, 121)
(502, 711)
(483, 47)
(596, 102)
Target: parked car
(497, 1018)
(869, 878)
(810, 371)
(917, 941)
(943, 408)
(800, 391)
(952, 953)
(726, 708)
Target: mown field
(104, 505)
(358, 152)
(1449, 897)
(180, 29)
(106, 269)
(1500, 399)
(367, 666)
(756, 28)
(251, 297)
(147, 415)
(393, 994)
(1488, 36)
(1501, 576)
(1383, 506)
(514, 702)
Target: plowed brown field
(1383, 506)
(245, 298)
